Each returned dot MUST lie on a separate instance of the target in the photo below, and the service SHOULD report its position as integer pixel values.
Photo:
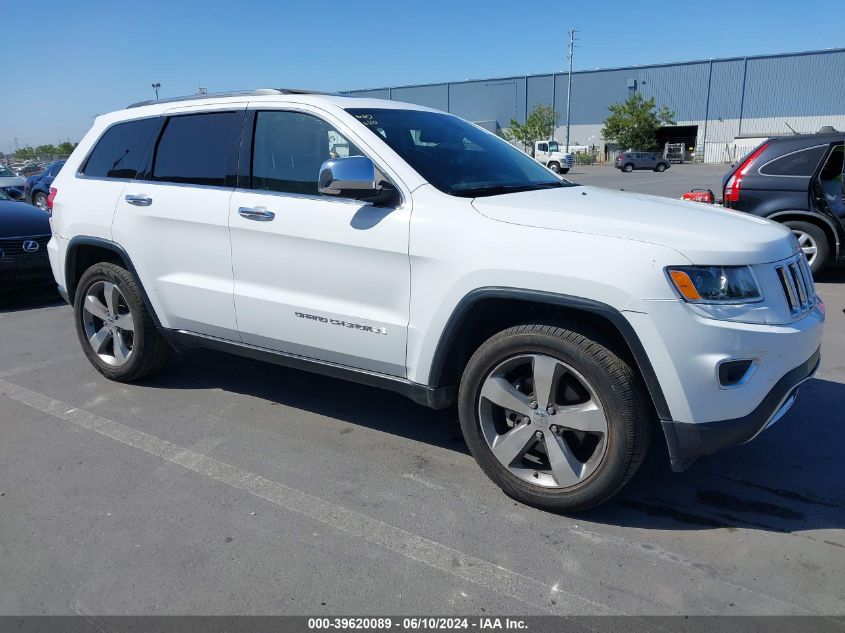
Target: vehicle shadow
(787, 480)
(29, 299)
(831, 275)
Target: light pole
(156, 86)
(569, 84)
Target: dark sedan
(24, 233)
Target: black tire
(628, 168)
(621, 394)
(41, 198)
(564, 170)
(661, 167)
(150, 351)
(818, 238)
(555, 167)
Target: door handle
(259, 214)
(139, 201)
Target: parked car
(31, 169)
(403, 247)
(549, 154)
(631, 160)
(24, 233)
(37, 188)
(796, 180)
(11, 184)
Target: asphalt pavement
(228, 486)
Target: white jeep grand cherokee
(402, 247)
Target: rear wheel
(40, 200)
(813, 243)
(555, 419)
(629, 167)
(116, 331)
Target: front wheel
(660, 168)
(116, 331)
(557, 420)
(555, 167)
(813, 243)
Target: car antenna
(790, 127)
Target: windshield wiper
(495, 190)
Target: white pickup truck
(549, 154)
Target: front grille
(14, 247)
(797, 283)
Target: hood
(704, 234)
(11, 181)
(18, 219)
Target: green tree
(540, 125)
(66, 147)
(46, 149)
(633, 123)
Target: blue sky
(76, 59)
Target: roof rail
(238, 93)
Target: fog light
(735, 373)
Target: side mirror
(349, 177)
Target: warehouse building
(723, 107)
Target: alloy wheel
(808, 245)
(543, 421)
(109, 326)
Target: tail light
(51, 197)
(734, 184)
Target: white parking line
(431, 553)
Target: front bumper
(688, 441)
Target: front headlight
(715, 284)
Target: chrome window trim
(797, 151)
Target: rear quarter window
(802, 163)
(120, 151)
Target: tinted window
(118, 154)
(455, 156)
(196, 148)
(802, 163)
(542, 147)
(290, 147)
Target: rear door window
(197, 148)
(802, 163)
(119, 152)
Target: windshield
(5, 171)
(553, 146)
(455, 156)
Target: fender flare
(614, 316)
(809, 214)
(71, 272)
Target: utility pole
(569, 83)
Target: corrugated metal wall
(726, 97)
